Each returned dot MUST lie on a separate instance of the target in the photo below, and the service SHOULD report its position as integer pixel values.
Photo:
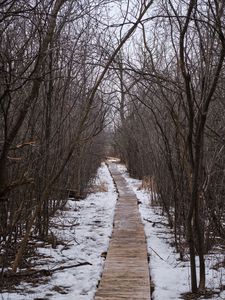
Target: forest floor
(83, 230)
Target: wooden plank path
(126, 273)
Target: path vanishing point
(126, 272)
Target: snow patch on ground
(170, 276)
(85, 227)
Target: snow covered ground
(170, 276)
(85, 228)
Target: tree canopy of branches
(47, 147)
(55, 57)
(171, 125)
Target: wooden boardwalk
(126, 273)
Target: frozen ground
(170, 276)
(85, 227)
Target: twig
(157, 254)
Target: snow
(171, 277)
(85, 227)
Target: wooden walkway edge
(126, 272)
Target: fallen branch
(66, 226)
(45, 272)
(86, 263)
(154, 222)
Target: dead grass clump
(148, 183)
(100, 187)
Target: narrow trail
(126, 273)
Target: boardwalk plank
(126, 273)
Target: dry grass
(100, 187)
(148, 183)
